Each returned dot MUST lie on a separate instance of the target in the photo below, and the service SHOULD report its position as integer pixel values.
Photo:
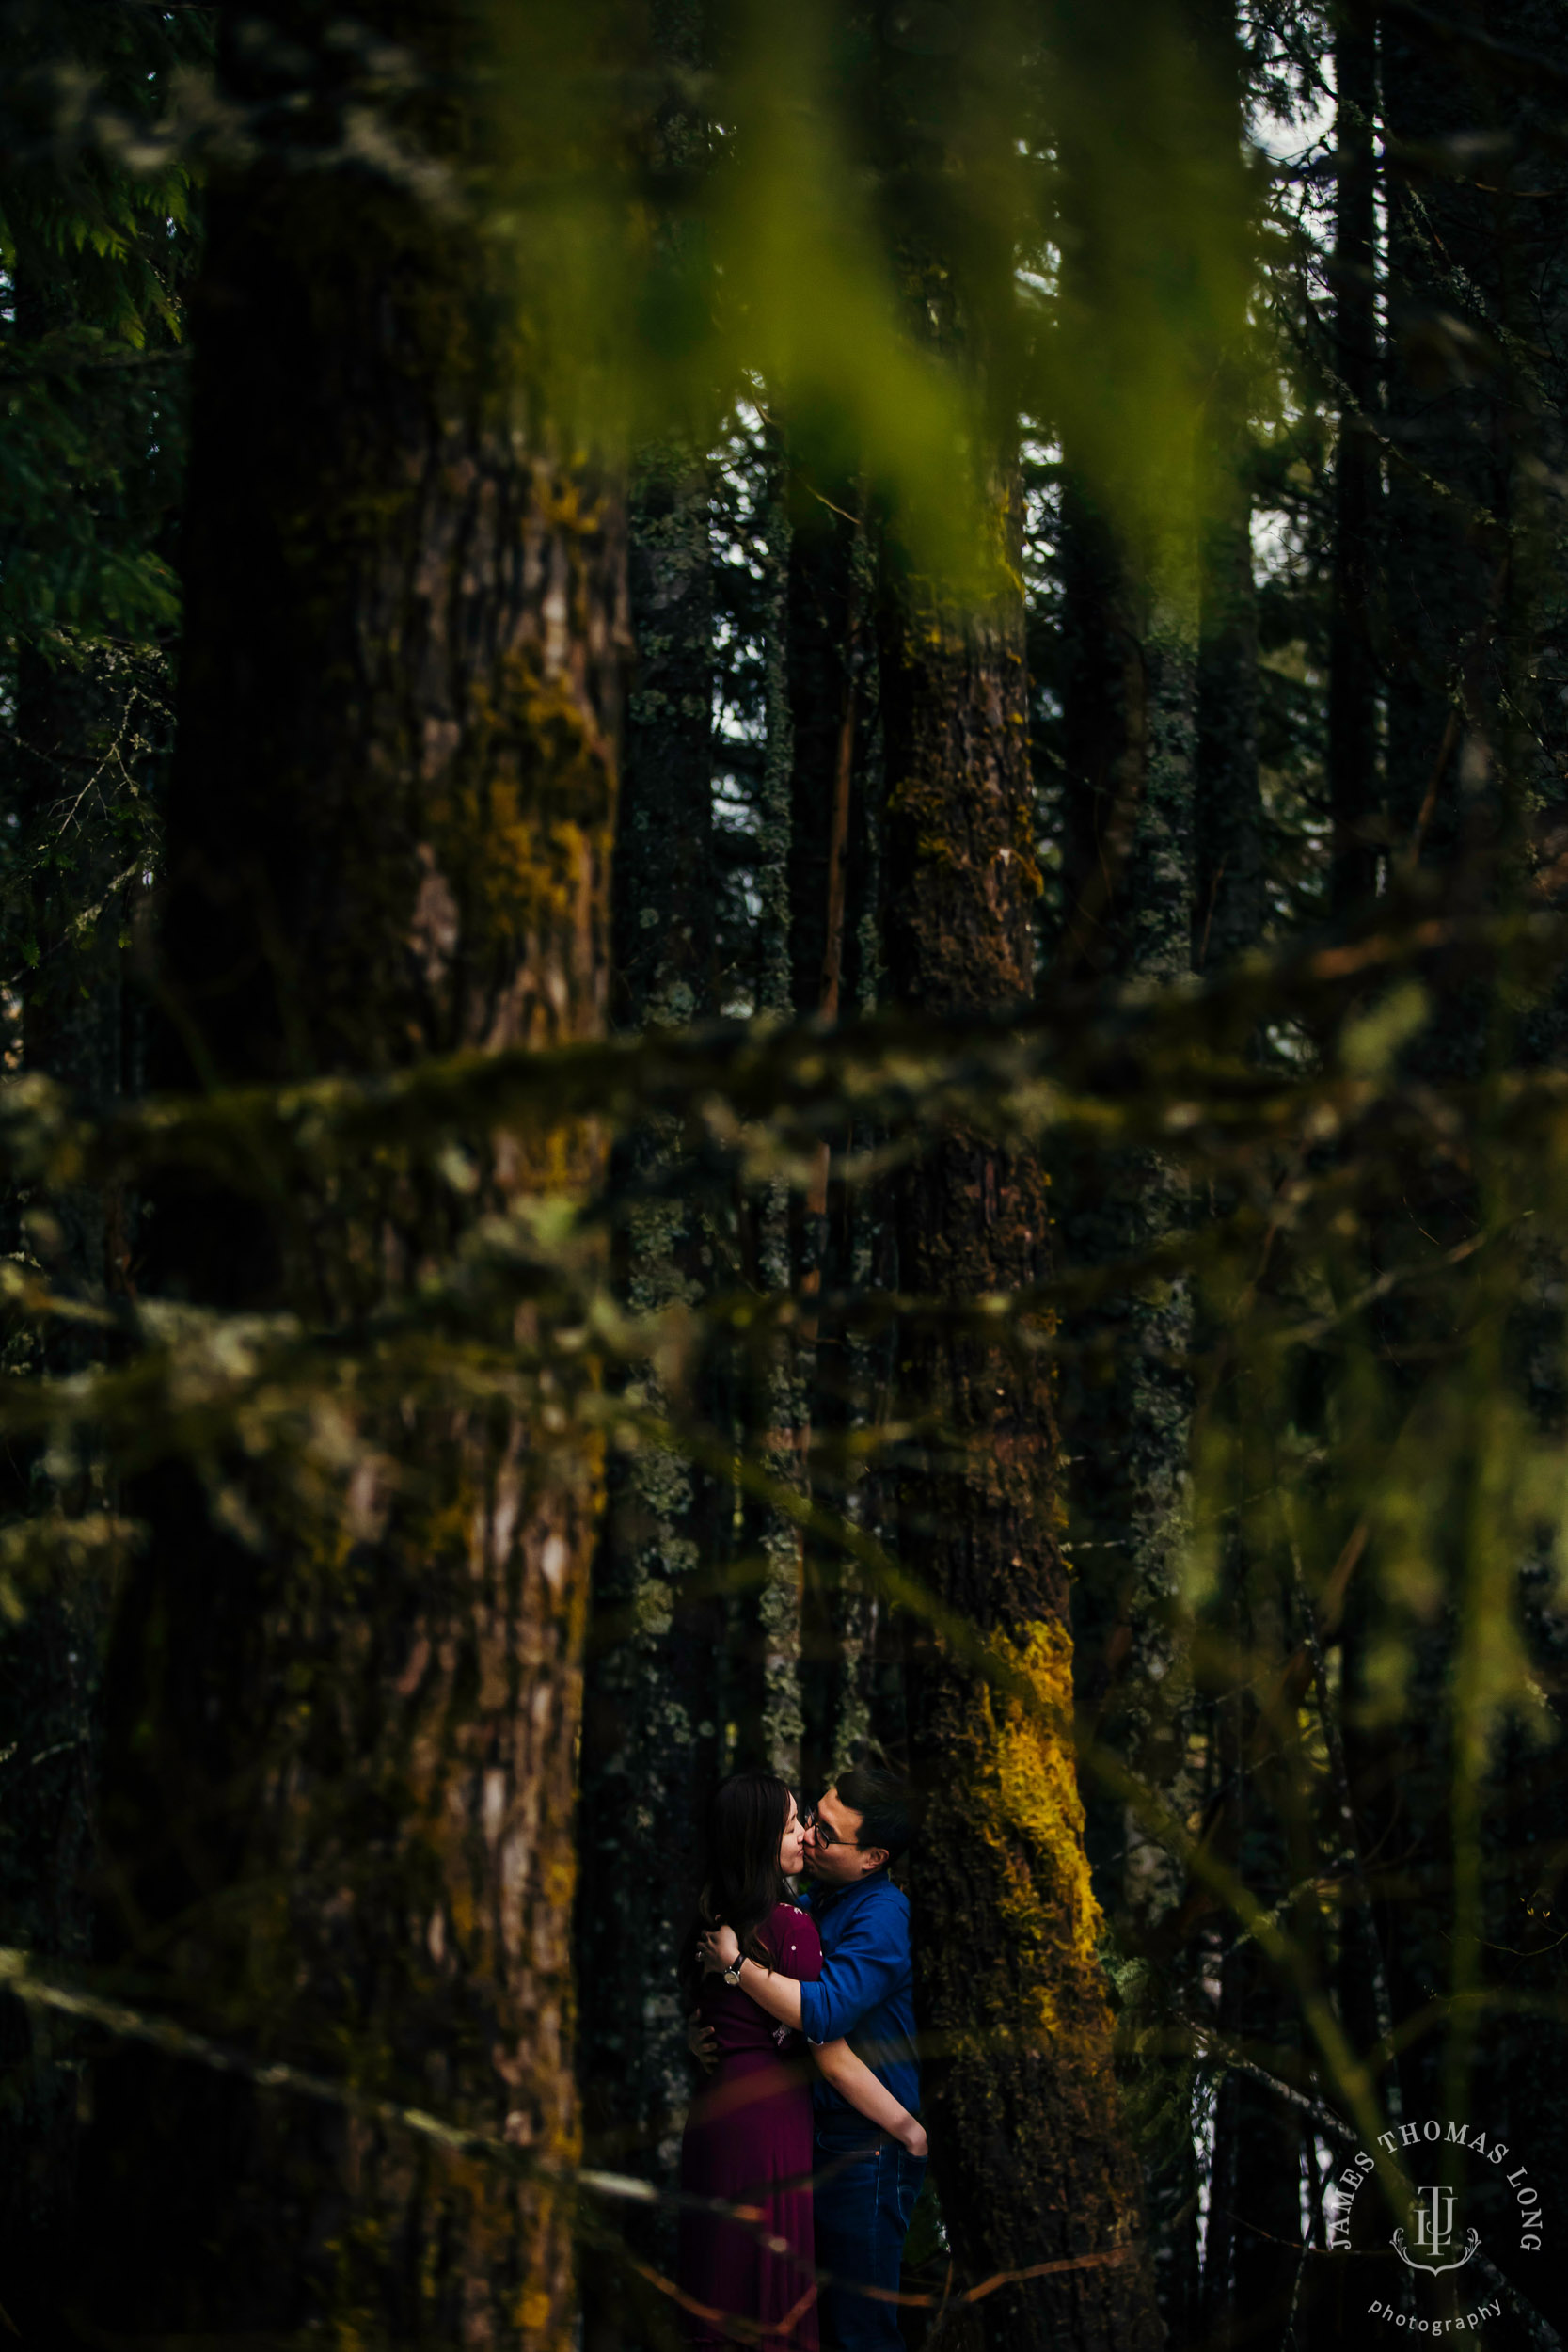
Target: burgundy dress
(749, 2139)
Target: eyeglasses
(814, 1822)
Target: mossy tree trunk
(1228, 915)
(652, 1728)
(1352, 779)
(832, 672)
(1453, 577)
(342, 1730)
(1228, 867)
(654, 1704)
(1129, 707)
(1031, 2163)
(1251, 2265)
(73, 1031)
(79, 752)
(778, 1402)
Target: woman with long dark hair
(749, 2137)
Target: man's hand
(913, 2139)
(720, 1949)
(702, 2041)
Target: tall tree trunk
(1126, 721)
(1030, 2159)
(73, 1031)
(1473, 269)
(342, 1750)
(1450, 577)
(1229, 905)
(1531, 1815)
(1026, 2137)
(1230, 908)
(1129, 715)
(77, 726)
(1250, 2210)
(654, 1707)
(830, 629)
(1130, 694)
(1357, 585)
(1250, 2255)
(1352, 671)
(771, 1730)
(651, 1737)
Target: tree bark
(1230, 901)
(80, 750)
(1451, 580)
(1250, 2260)
(653, 1706)
(1133, 748)
(1229, 905)
(1353, 781)
(1129, 712)
(845, 1661)
(1474, 264)
(1030, 2160)
(342, 1749)
(772, 1722)
(73, 1031)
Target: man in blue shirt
(867, 2184)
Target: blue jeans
(864, 2195)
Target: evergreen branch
(1124, 1066)
(21, 1977)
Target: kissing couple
(828, 2155)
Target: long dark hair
(744, 1884)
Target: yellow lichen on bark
(1037, 1794)
(1016, 1796)
(1032, 2162)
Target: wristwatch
(731, 1974)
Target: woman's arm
(855, 1978)
(853, 2080)
(779, 1995)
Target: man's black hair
(885, 1804)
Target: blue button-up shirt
(865, 1991)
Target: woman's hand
(911, 2135)
(702, 2041)
(720, 1949)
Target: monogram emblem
(1432, 2224)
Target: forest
(784, 989)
